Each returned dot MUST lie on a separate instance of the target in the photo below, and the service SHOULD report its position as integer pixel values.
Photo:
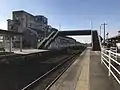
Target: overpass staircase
(96, 41)
(47, 40)
(51, 39)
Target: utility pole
(59, 27)
(104, 24)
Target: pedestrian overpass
(93, 33)
(95, 37)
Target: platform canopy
(115, 37)
(6, 32)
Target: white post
(109, 62)
(20, 43)
(116, 54)
(10, 44)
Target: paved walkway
(86, 73)
(98, 78)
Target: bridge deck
(86, 73)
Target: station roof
(115, 37)
(6, 32)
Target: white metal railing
(51, 38)
(55, 34)
(50, 34)
(46, 38)
(114, 49)
(108, 57)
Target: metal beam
(75, 32)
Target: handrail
(50, 35)
(46, 38)
(111, 52)
(55, 34)
(106, 59)
(52, 38)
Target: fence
(110, 59)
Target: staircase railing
(45, 39)
(50, 40)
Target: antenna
(59, 27)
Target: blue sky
(71, 14)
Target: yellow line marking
(83, 82)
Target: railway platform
(86, 73)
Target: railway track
(45, 81)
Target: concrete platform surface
(28, 51)
(86, 73)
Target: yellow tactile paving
(70, 79)
(83, 82)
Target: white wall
(82, 39)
